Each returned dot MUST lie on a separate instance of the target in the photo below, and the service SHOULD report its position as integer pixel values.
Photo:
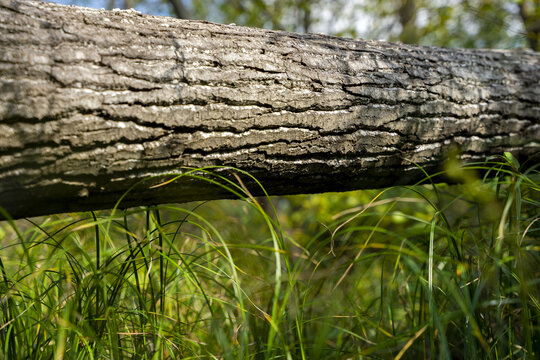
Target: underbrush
(427, 271)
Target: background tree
(459, 23)
(529, 10)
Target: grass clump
(406, 272)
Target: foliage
(424, 271)
(458, 23)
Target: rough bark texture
(92, 101)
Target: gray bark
(93, 101)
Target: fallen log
(94, 101)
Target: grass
(407, 272)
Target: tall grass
(413, 272)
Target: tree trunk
(93, 101)
(530, 14)
(179, 9)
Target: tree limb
(93, 101)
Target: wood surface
(94, 101)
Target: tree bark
(93, 101)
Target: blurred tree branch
(530, 13)
(180, 11)
(407, 19)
